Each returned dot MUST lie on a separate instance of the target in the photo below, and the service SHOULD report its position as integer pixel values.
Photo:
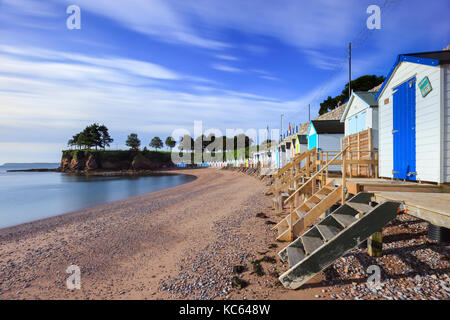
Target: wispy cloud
(155, 18)
(226, 68)
(226, 57)
(72, 90)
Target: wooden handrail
(292, 179)
(315, 175)
(293, 163)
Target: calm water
(28, 196)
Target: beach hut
(301, 143)
(361, 114)
(414, 118)
(325, 135)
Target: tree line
(97, 136)
(364, 83)
(212, 143)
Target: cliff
(100, 160)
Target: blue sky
(154, 66)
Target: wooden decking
(432, 207)
(355, 185)
(429, 202)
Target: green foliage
(94, 135)
(156, 143)
(170, 142)
(186, 143)
(363, 83)
(133, 142)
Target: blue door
(405, 131)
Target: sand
(183, 242)
(128, 249)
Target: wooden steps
(308, 211)
(333, 237)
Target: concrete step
(360, 207)
(311, 243)
(295, 255)
(328, 232)
(345, 219)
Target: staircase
(277, 201)
(309, 211)
(343, 230)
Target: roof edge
(405, 58)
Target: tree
(156, 143)
(202, 142)
(105, 138)
(93, 135)
(133, 141)
(242, 139)
(186, 143)
(363, 83)
(170, 142)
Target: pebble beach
(207, 239)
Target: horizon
(158, 66)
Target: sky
(154, 66)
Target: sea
(29, 196)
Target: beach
(127, 249)
(207, 239)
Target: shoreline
(105, 173)
(125, 248)
(59, 218)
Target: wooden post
(344, 180)
(291, 222)
(376, 166)
(375, 245)
(359, 154)
(321, 164)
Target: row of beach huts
(408, 117)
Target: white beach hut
(360, 114)
(414, 118)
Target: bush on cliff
(73, 160)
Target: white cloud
(155, 18)
(226, 68)
(226, 57)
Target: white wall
(374, 114)
(427, 122)
(330, 142)
(446, 122)
(356, 107)
(371, 118)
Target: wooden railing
(362, 157)
(296, 161)
(319, 172)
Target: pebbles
(412, 267)
(221, 267)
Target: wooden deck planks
(432, 207)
